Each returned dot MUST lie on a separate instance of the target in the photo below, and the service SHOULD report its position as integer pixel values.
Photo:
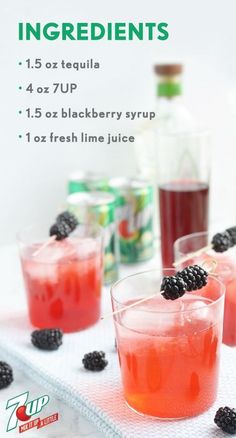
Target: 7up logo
(22, 409)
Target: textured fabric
(98, 396)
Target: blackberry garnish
(194, 277)
(225, 418)
(222, 241)
(68, 218)
(60, 230)
(173, 287)
(47, 339)
(6, 375)
(95, 361)
(232, 233)
(189, 279)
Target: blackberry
(60, 230)
(189, 279)
(232, 233)
(95, 361)
(225, 418)
(68, 218)
(194, 277)
(222, 241)
(173, 287)
(6, 375)
(47, 339)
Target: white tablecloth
(97, 396)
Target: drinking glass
(225, 270)
(168, 350)
(63, 280)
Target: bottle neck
(169, 87)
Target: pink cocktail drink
(169, 351)
(63, 281)
(229, 333)
(225, 270)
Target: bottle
(171, 116)
(183, 187)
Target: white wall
(32, 177)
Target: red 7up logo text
(23, 410)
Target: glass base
(65, 327)
(152, 417)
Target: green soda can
(87, 182)
(134, 209)
(99, 207)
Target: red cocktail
(168, 351)
(63, 281)
(225, 270)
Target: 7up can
(86, 182)
(99, 207)
(134, 209)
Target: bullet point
(20, 63)
(20, 88)
(20, 112)
(20, 136)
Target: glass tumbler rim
(22, 240)
(190, 236)
(213, 303)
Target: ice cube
(44, 265)
(85, 247)
(155, 317)
(56, 252)
(196, 310)
(159, 317)
(225, 268)
(200, 309)
(41, 271)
